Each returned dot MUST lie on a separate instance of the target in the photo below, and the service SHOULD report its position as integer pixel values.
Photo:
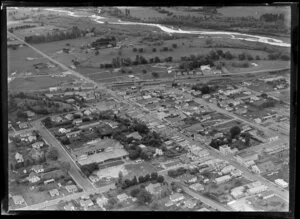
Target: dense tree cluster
(205, 88)
(75, 32)
(269, 17)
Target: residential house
(18, 199)
(69, 116)
(265, 167)
(227, 169)
(38, 145)
(190, 179)
(257, 189)
(169, 203)
(225, 149)
(71, 188)
(266, 194)
(237, 192)
(53, 89)
(255, 169)
(77, 121)
(101, 201)
(197, 187)
(281, 183)
(190, 203)
(19, 157)
(176, 197)
(73, 134)
(245, 156)
(30, 113)
(33, 177)
(122, 197)
(69, 207)
(154, 189)
(56, 119)
(38, 168)
(54, 192)
(87, 112)
(63, 130)
(222, 179)
(23, 125)
(31, 138)
(94, 178)
(134, 135)
(203, 209)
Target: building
(37, 145)
(101, 201)
(18, 199)
(30, 113)
(69, 207)
(56, 119)
(222, 179)
(190, 203)
(122, 197)
(33, 177)
(69, 116)
(257, 189)
(38, 168)
(266, 194)
(19, 157)
(225, 149)
(73, 134)
(154, 188)
(176, 197)
(54, 192)
(203, 209)
(237, 192)
(77, 121)
(281, 183)
(190, 179)
(71, 188)
(197, 187)
(53, 89)
(86, 203)
(266, 167)
(245, 156)
(23, 125)
(227, 169)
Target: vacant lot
(36, 83)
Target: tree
(160, 179)
(144, 71)
(144, 197)
(147, 177)
(235, 131)
(174, 45)
(228, 55)
(52, 154)
(154, 175)
(155, 74)
(242, 56)
(141, 50)
(65, 166)
(134, 49)
(134, 192)
(154, 50)
(141, 179)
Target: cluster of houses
(253, 188)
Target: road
(74, 171)
(85, 182)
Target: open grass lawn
(140, 169)
(36, 83)
(261, 65)
(274, 203)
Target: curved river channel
(233, 35)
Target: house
(225, 149)
(30, 113)
(86, 203)
(154, 188)
(62, 130)
(54, 192)
(94, 178)
(33, 177)
(190, 179)
(266, 194)
(31, 138)
(203, 209)
(36, 154)
(142, 146)
(71, 188)
(77, 121)
(69, 116)
(169, 203)
(205, 67)
(257, 189)
(190, 203)
(70, 100)
(222, 179)
(265, 167)
(122, 197)
(206, 96)
(255, 169)
(281, 183)
(87, 112)
(23, 125)
(69, 207)
(38, 168)
(176, 197)
(18, 199)
(245, 156)
(237, 192)
(257, 120)
(53, 89)
(197, 187)
(19, 157)
(38, 145)
(227, 169)
(134, 135)
(56, 119)
(102, 201)
(73, 134)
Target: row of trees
(139, 60)
(178, 172)
(75, 32)
(205, 88)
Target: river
(232, 35)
